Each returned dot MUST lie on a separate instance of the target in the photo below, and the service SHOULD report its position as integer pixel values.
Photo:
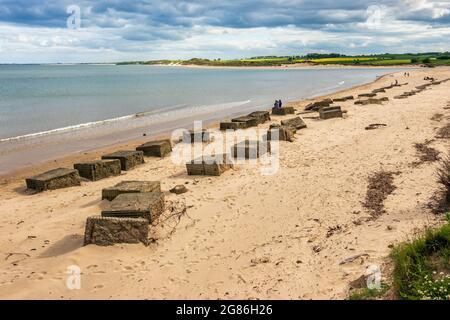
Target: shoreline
(69, 159)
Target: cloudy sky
(33, 31)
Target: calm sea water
(36, 99)
(51, 111)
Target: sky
(71, 31)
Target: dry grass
(440, 201)
(426, 153)
(444, 132)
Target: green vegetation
(430, 59)
(422, 267)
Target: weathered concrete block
(232, 125)
(250, 149)
(330, 112)
(147, 205)
(367, 95)
(283, 111)
(128, 159)
(130, 187)
(109, 231)
(54, 179)
(317, 105)
(281, 133)
(160, 148)
(209, 166)
(296, 123)
(97, 170)
(197, 136)
(249, 121)
(261, 116)
(343, 99)
(371, 101)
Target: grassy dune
(430, 59)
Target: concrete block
(209, 166)
(128, 159)
(248, 121)
(147, 205)
(160, 148)
(261, 116)
(125, 187)
(54, 179)
(284, 111)
(250, 149)
(296, 123)
(199, 136)
(97, 170)
(109, 231)
(232, 126)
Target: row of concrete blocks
(418, 89)
(218, 164)
(316, 106)
(133, 207)
(255, 118)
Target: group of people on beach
(278, 104)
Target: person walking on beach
(280, 104)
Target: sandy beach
(245, 235)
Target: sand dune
(246, 235)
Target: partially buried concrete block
(296, 123)
(160, 148)
(128, 159)
(343, 99)
(330, 112)
(97, 170)
(232, 125)
(54, 179)
(130, 187)
(106, 231)
(248, 121)
(319, 104)
(281, 133)
(148, 205)
(209, 165)
(261, 116)
(284, 111)
(367, 95)
(250, 149)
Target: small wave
(66, 129)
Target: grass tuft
(422, 266)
